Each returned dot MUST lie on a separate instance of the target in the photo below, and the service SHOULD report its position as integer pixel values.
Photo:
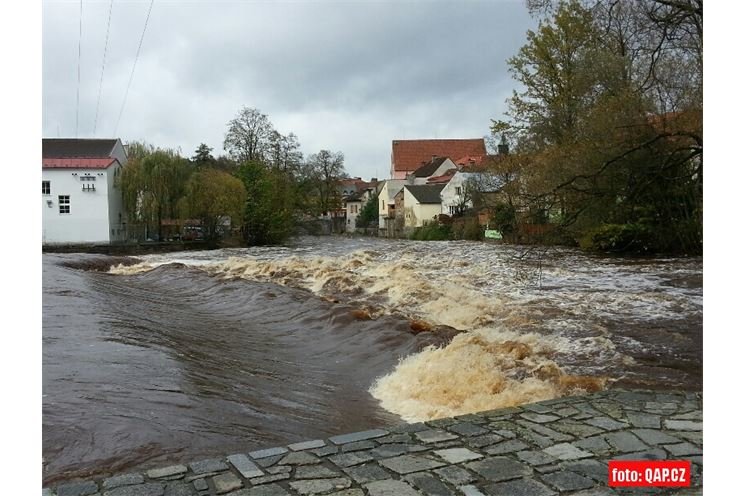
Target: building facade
(81, 199)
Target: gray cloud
(347, 76)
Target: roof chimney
(503, 148)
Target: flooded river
(173, 357)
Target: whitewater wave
(497, 362)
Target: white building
(353, 204)
(437, 166)
(387, 207)
(81, 202)
(458, 194)
(422, 204)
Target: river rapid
(173, 357)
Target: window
(64, 204)
(45, 188)
(87, 178)
(457, 190)
(89, 187)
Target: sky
(347, 76)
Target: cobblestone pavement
(553, 447)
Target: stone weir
(552, 447)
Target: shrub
(631, 237)
(432, 232)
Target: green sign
(492, 234)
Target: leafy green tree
(595, 142)
(268, 213)
(152, 183)
(368, 216)
(211, 196)
(203, 155)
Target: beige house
(387, 207)
(422, 204)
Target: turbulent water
(176, 356)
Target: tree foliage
(213, 196)
(369, 214)
(268, 213)
(325, 168)
(152, 183)
(248, 136)
(606, 132)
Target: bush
(432, 232)
(631, 238)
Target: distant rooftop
(426, 193)
(408, 155)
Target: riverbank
(560, 446)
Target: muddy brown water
(182, 361)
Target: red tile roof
(445, 178)
(77, 163)
(408, 155)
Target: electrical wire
(80, 41)
(137, 56)
(103, 65)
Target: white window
(64, 204)
(45, 188)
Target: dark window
(64, 204)
(45, 188)
(89, 187)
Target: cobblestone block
(320, 486)
(246, 467)
(521, 487)
(566, 451)
(428, 484)
(318, 443)
(499, 468)
(410, 463)
(77, 489)
(367, 473)
(226, 482)
(173, 470)
(390, 488)
(206, 466)
(358, 436)
(458, 455)
(455, 475)
(123, 480)
(567, 481)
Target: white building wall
(450, 193)
(88, 220)
(353, 210)
(385, 198)
(417, 214)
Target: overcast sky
(344, 76)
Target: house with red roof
(408, 155)
(81, 201)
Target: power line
(103, 65)
(80, 40)
(137, 55)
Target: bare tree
(326, 168)
(248, 136)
